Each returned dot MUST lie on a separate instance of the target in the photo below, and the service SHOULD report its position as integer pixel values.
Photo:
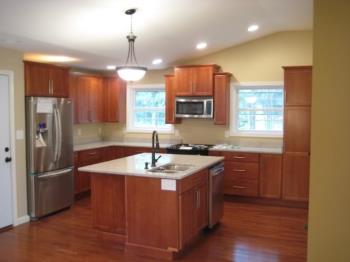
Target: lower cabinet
(193, 212)
(270, 175)
(296, 176)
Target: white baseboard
(21, 220)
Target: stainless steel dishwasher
(216, 194)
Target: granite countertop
(134, 165)
(248, 149)
(94, 145)
(218, 147)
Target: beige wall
(329, 213)
(12, 60)
(257, 60)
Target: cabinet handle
(239, 157)
(239, 187)
(198, 198)
(52, 87)
(49, 86)
(239, 170)
(92, 153)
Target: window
(146, 109)
(257, 110)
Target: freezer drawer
(50, 192)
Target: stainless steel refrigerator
(49, 124)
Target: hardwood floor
(248, 233)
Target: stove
(189, 149)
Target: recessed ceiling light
(201, 45)
(49, 58)
(157, 61)
(253, 28)
(111, 67)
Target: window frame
(130, 105)
(235, 106)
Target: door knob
(8, 159)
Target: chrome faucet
(155, 146)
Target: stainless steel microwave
(194, 107)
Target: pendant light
(131, 71)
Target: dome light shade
(131, 73)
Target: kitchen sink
(170, 168)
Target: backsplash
(199, 131)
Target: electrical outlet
(79, 131)
(177, 133)
(227, 133)
(99, 130)
(19, 134)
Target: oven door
(193, 107)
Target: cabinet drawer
(193, 180)
(89, 157)
(243, 170)
(242, 187)
(241, 157)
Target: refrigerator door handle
(59, 133)
(56, 134)
(56, 173)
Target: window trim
(130, 97)
(234, 109)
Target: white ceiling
(94, 31)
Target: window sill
(257, 134)
(148, 131)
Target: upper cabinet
(297, 85)
(115, 99)
(222, 98)
(97, 99)
(170, 101)
(195, 80)
(87, 93)
(46, 80)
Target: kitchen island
(156, 213)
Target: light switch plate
(19, 134)
(168, 184)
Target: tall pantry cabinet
(297, 121)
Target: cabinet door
(296, 176)
(59, 82)
(37, 79)
(96, 95)
(170, 101)
(183, 81)
(114, 100)
(222, 99)
(187, 214)
(74, 96)
(202, 81)
(82, 99)
(270, 175)
(297, 129)
(297, 84)
(201, 216)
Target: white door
(5, 155)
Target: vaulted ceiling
(94, 31)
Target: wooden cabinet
(115, 100)
(193, 206)
(195, 80)
(296, 149)
(270, 175)
(113, 152)
(84, 158)
(297, 85)
(297, 121)
(222, 98)
(46, 80)
(296, 176)
(87, 93)
(170, 101)
(241, 173)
